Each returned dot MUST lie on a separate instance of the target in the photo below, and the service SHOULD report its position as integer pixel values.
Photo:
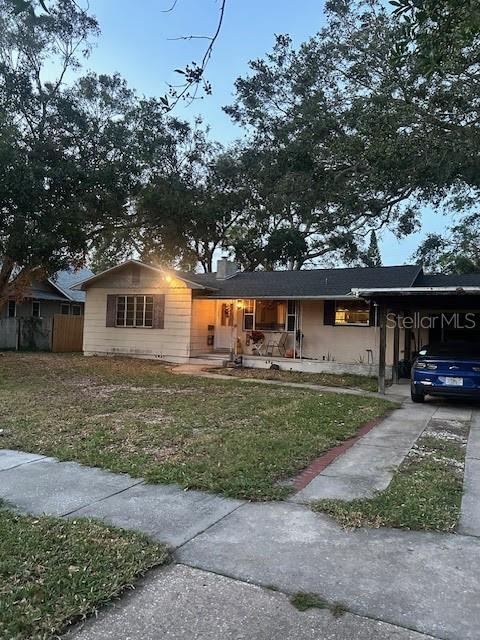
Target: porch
(308, 335)
(305, 365)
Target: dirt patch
(159, 454)
(451, 435)
(104, 391)
(448, 430)
(148, 416)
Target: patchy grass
(347, 380)
(55, 571)
(304, 601)
(425, 492)
(135, 416)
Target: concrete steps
(218, 359)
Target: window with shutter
(135, 311)
(111, 311)
(352, 312)
(159, 311)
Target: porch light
(168, 278)
(239, 304)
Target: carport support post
(382, 350)
(396, 350)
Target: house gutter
(252, 296)
(408, 291)
(60, 290)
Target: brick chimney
(225, 268)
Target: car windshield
(451, 350)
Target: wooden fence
(67, 333)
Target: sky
(138, 40)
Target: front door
(224, 326)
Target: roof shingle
(314, 283)
(448, 280)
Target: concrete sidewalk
(421, 581)
(41, 485)
(369, 465)
(188, 604)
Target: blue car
(446, 369)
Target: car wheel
(417, 397)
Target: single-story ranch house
(338, 320)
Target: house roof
(307, 284)
(58, 287)
(65, 280)
(311, 283)
(188, 278)
(448, 280)
(428, 284)
(42, 294)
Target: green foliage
(344, 142)
(372, 257)
(456, 252)
(434, 31)
(65, 151)
(188, 210)
(330, 158)
(76, 156)
(345, 137)
(349, 380)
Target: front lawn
(425, 492)
(55, 571)
(137, 417)
(348, 380)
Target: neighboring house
(311, 320)
(50, 296)
(29, 323)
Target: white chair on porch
(280, 344)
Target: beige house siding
(344, 345)
(170, 343)
(187, 321)
(203, 315)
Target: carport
(426, 313)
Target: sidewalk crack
(111, 495)
(199, 533)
